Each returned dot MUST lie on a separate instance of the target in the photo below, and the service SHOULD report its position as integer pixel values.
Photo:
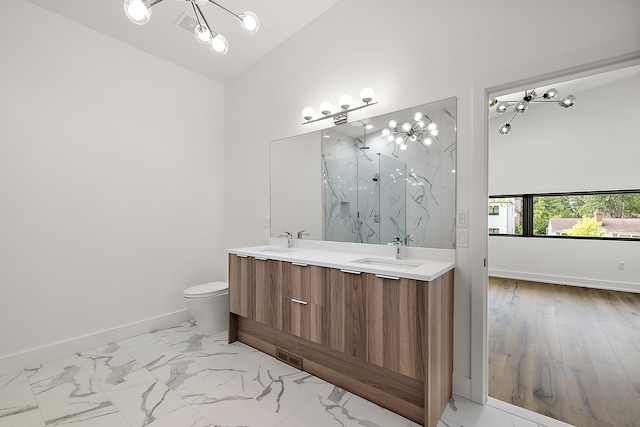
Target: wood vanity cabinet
(255, 289)
(387, 339)
(303, 300)
(345, 312)
(396, 313)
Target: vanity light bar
(341, 116)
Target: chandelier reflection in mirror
(139, 12)
(342, 116)
(519, 107)
(419, 130)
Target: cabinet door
(241, 285)
(303, 290)
(345, 312)
(268, 292)
(396, 324)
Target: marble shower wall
(416, 186)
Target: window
(600, 215)
(505, 215)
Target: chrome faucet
(397, 242)
(288, 236)
(302, 234)
(408, 239)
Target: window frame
(527, 214)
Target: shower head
(376, 177)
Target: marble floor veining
(176, 377)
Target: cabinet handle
(299, 264)
(261, 259)
(382, 276)
(299, 301)
(350, 271)
(242, 256)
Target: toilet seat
(206, 290)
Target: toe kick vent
(289, 358)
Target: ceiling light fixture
(139, 12)
(521, 106)
(419, 130)
(342, 116)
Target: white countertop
(425, 269)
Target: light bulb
(521, 107)
(550, 94)
(434, 132)
(367, 94)
(505, 128)
(399, 140)
(390, 138)
(325, 108)
(403, 147)
(250, 22)
(345, 102)
(421, 124)
(417, 116)
(308, 113)
(203, 35)
(386, 132)
(393, 124)
(413, 137)
(567, 101)
(219, 44)
(427, 141)
(137, 12)
(406, 126)
(502, 107)
(432, 126)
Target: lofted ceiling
(279, 19)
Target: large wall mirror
(366, 182)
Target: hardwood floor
(567, 352)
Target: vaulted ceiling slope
(279, 20)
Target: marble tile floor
(176, 377)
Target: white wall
(413, 52)
(111, 182)
(591, 146)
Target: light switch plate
(463, 219)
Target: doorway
(540, 355)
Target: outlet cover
(620, 265)
(463, 239)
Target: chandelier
(521, 106)
(342, 116)
(139, 12)
(418, 130)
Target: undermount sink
(381, 262)
(283, 250)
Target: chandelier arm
(154, 2)
(204, 19)
(514, 116)
(193, 5)
(224, 8)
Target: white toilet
(209, 305)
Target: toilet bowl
(209, 305)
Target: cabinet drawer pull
(242, 256)
(350, 271)
(299, 301)
(261, 259)
(382, 276)
(299, 264)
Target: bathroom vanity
(379, 327)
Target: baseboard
(462, 386)
(525, 413)
(567, 280)
(36, 356)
